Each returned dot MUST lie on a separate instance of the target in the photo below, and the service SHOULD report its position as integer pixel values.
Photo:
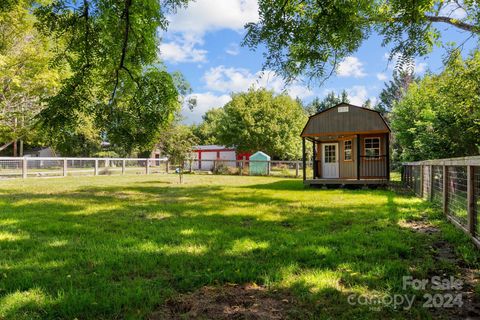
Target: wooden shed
(350, 146)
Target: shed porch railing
(368, 167)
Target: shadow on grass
(120, 251)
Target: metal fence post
(241, 166)
(123, 166)
(147, 166)
(471, 199)
(24, 168)
(269, 167)
(95, 169)
(296, 169)
(65, 167)
(445, 189)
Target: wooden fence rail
(452, 183)
(27, 167)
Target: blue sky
(203, 42)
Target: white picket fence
(27, 167)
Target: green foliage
(207, 130)
(26, 77)
(116, 82)
(260, 120)
(106, 154)
(311, 37)
(78, 136)
(392, 94)
(140, 116)
(394, 90)
(176, 142)
(330, 100)
(439, 116)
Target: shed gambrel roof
(335, 122)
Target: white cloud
(188, 26)
(209, 15)
(420, 67)
(351, 67)
(182, 49)
(221, 81)
(229, 79)
(233, 49)
(453, 10)
(359, 94)
(382, 76)
(205, 102)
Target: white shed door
(330, 160)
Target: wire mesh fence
(50, 167)
(45, 167)
(10, 168)
(452, 183)
(437, 184)
(457, 193)
(476, 196)
(277, 168)
(417, 182)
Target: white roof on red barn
(211, 147)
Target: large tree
(310, 37)
(394, 90)
(260, 120)
(207, 130)
(435, 119)
(26, 76)
(116, 82)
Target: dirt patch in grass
(421, 226)
(230, 302)
(444, 252)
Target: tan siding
(348, 169)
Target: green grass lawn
(118, 247)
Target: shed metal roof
(345, 119)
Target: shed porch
(360, 159)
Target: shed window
(372, 148)
(347, 150)
(330, 153)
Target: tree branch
(454, 22)
(87, 31)
(125, 14)
(6, 145)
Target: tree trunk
(15, 148)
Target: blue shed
(260, 167)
